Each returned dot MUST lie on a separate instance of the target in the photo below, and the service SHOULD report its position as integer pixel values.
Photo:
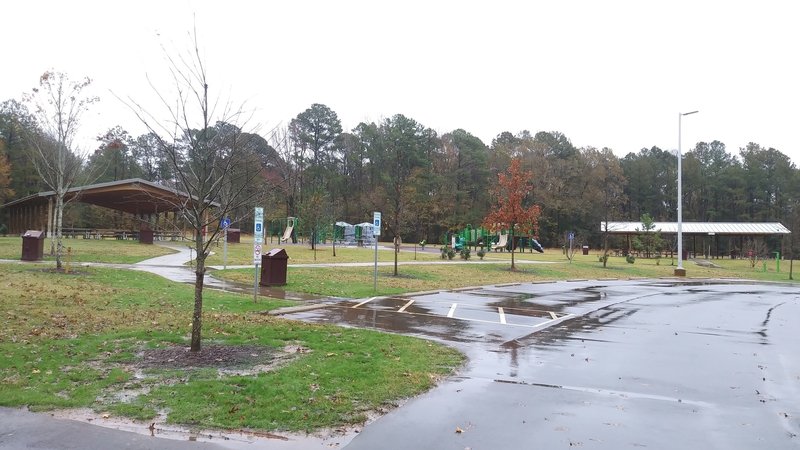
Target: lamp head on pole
(686, 114)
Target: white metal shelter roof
(723, 228)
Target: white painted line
(452, 310)
(548, 322)
(553, 315)
(492, 322)
(364, 302)
(405, 306)
(502, 315)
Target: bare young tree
(57, 104)
(210, 157)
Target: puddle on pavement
(426, 325)
(563, 302)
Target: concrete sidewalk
(173, 266)
(20, 429)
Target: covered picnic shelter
(146, 201)
(708, 233)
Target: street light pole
(680, 271)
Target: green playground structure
(482, 238)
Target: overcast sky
(605, 73)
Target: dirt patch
(211, 356)
(231, 439)
(62, 271)
(706, 263)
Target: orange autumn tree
(509, 213)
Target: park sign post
(376, 231)
(570, 238)
(258, 240)
(225, 223)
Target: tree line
(428, 184)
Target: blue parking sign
(376, 222)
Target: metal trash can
(585, 249)
(234, 235)
(273, 267)
(32, 245)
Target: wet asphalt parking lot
(657, 364)
(643, 364)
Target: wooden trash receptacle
(33, 245)
(273, 267)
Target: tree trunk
(59, 224)
(51, 224)
(396, 248)
(605, 242)
(197, 316)
(511, 236)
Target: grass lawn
(242, 253)
(89, 250)
(78, 340)
(357, 282)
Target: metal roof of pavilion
(134, 195)
(724, 228)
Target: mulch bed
(214, 356)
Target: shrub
(481, 253)
(602, 258)
(444, 249)
(422, 244)
(465, 254)
(630, 259)
(450, 253)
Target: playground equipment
(344, 233)
(469, 237)
(481, 237)
(291, 222)
(364, 234)
(501, 243)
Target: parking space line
(452, 310)
(548, 322)
(364, 302)
(501, 311)
(405, 306)
(520, 325)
